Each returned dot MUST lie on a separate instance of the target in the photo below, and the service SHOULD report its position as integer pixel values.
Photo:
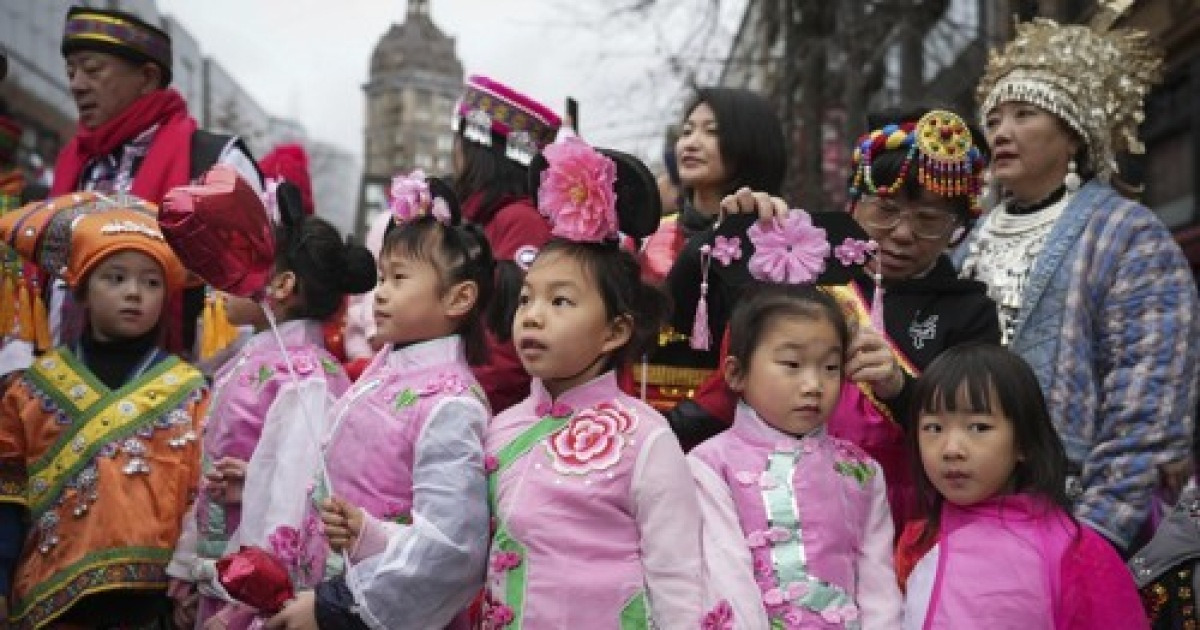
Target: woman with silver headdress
(1091, 288)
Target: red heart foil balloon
(256, 578)
(221, 231)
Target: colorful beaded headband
(947, 161)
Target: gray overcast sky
(308, 59)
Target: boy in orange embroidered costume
(98, 450)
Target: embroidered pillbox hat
(117, 33)
(489, 107)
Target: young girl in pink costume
(256, 395)
(405, 449)
(1000, 548)
(797, 529)
(597, 525)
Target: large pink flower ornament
(410, 198)
(577, 192)
(592, 440)
(788, 250)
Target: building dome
(414, 46)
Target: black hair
(488, 172)
(460, 254)
(764, 304)
(618, 278)
(971, 377)
(885, 166)
(327, 268)
(750, 138)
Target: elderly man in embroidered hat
(134, 133)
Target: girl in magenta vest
(597, 525)
(1000, 548)
(404, 451)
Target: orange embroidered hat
(70, 235)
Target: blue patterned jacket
(1109, 321)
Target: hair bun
(359, 274)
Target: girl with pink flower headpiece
(597, 525)
(405, 506)
(797, 528)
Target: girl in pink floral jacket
(597, 525)
(797, 530)
(268, 402)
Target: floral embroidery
(447, 383)
(256, 378)
(853, 462)
(406, 398)
(791, 250)
(719, 618)
(443, 384)
(505, 561)
(592, 440)
(302, 363)
(727, 250)
(490, 464)
(496, 614)
(331, 367)
(285, 543)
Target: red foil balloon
(256, 578)
(221, 231)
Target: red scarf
(167, 162)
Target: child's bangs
(957, 391)
(416, 240)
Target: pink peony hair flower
(788, 250)
(577, 192)
(727, 250)
(855, 252)
(410, 198)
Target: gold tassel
(206, 329)
(8, 296)
(226, 333)
(41, 324)
(25, 330)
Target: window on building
(423, 160)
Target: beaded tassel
(701, 336)
(41, 324)
(8, 298)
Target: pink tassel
(701, 337)
(877, 305)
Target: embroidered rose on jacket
(577, 192)
(719, 618)
(853, 462)
(788, 250)
(444, 384)
(302, 363)
(592, 440)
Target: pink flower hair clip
(789, 250)
(270, 198)
(410, 198)
(855, 252)
(577, 192)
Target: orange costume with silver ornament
(105, 474)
